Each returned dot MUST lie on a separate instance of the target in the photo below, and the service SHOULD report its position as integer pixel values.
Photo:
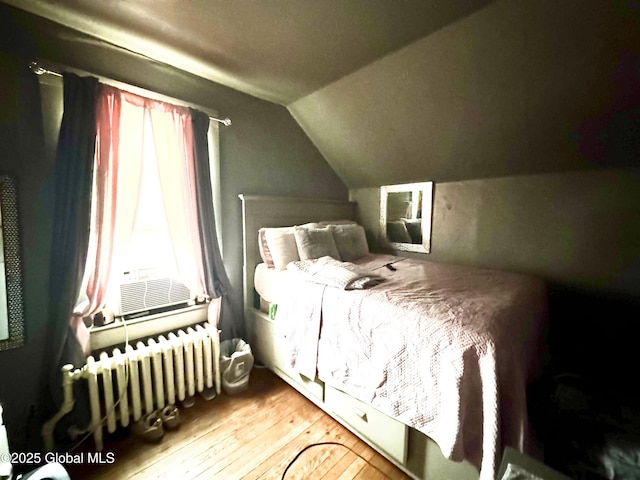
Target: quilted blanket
(334, 273)
(445, 349)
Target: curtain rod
(36, 68)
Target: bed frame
(413, 452)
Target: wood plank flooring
(250, 436)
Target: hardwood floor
(250, 436)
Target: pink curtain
(121, 130)
(117, 174)
(173, 138)
(131, 153)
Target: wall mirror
(405, 216)
(11, 302)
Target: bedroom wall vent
(142, 295)
(123, 386)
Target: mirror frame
(12, 262)
(427, 203)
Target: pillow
(315, 243)
(263, 245)
(311, 225)
(351, 241)
(397, 232)
(282, 246)
(414, 228)
(265, 253)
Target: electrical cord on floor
(318, 444)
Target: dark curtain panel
(215, 274)
(70, 237)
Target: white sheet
(271, 284)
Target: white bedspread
(445, 349)
(333, 273)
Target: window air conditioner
(139, 296)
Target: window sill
(114, 333)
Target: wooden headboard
(260, 211)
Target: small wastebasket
(236, 362)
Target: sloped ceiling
(518, 87)
(399, 91)
(277, 50)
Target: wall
(577, 230)
(526, 116)
(22, 155)
(263, 152)
(518, 87)
(513, 111)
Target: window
(96, 234)
(147, 256)
(146, 280)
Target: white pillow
(397, 232)
(282, 246)
(263, 247)
(351, 241)
(315, 243)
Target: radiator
(162, 371)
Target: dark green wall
(22, 155)
(263, 152)
(526, 115)
(517, 87)
(523, 114)
(579, 231)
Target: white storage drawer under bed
(388, 434)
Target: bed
(427, 362)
